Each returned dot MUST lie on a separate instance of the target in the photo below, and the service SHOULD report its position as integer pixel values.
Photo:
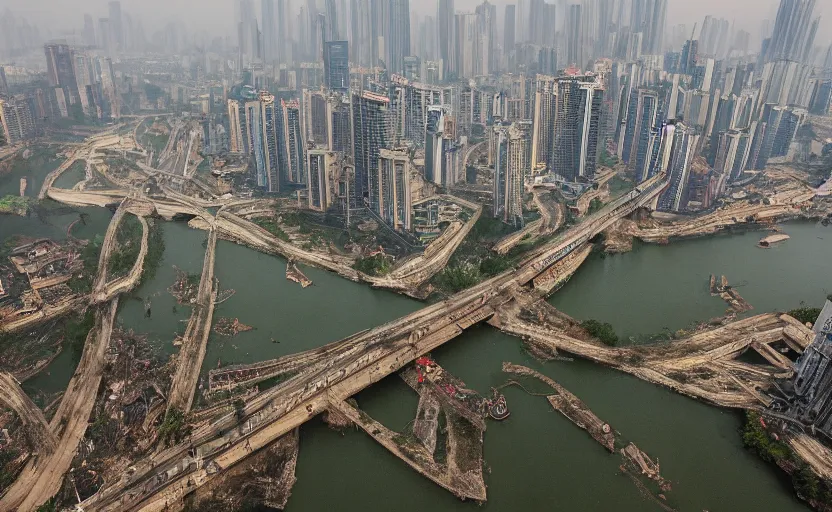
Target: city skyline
(217, 20)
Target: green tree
(603, 331)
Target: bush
(805, 315)
(378, 265)
(459, 277)
(174, 428)
(603, 331)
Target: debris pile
(186, 286)
(293, 273)
(230, 327)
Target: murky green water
(537, 459)
(42, 162)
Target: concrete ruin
(808, 396)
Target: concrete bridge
(346, 368)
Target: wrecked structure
(809, 394)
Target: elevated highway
(348, 367)
(195, 340)
(42, 476)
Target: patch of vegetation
(378, 265)
(49, 506)
(459, 277)
(155, 250)
(807, 485)
(603, 331)
(81, 283)
(14, 205)
(805, 315)
(174, 428)
(76, 331)
(272, 227)
(606, 159)
(128, 246)
(594, 206)
(7, 476)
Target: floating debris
(230, 327)
(729, 294)
(570, 406)
(294, 274)
(186, 286)
(769, 241)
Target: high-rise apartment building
(681, 141)
(575, 147)
(236, 137)
(509, 34)
(544, 121)
(511, 149)
(4, 84)
(116, 25)
(394, 197)
(792, 31)
(89, 31)
(446, 22)
(323, 168)
(574, 38)
(337, 65)
(17, 119)
(372, 125)
(639, 139)
(271, 122)
(61, 72)
(270, 35)
(293, 146)
(733, 152)
(397, 43)
(256, 141)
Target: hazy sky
(217, 16)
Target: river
(536, 459)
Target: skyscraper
(642, 120)
(332, 32)
(446, 20)
(17, 119)
(293, 144)
(4, 85)
(372, 126)
(236, 139)
(256, 140)
(272, 135)
(269, 30)
(791, 30)
(323, 167)
(336, 65)
(61, 71)
(681, 141)
(116, 25)
(512, 152)
(574, 38)
(486, 62)
(509, 30)
(89, 31)
(394, 188)
(397, 45)
(543, 125)
(575, 150)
